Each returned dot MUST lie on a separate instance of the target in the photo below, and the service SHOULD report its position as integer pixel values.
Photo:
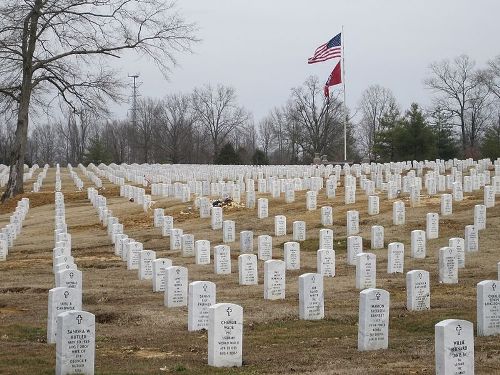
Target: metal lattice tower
(134, 99)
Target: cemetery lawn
(136, 334)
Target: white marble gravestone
(326, 216)
(418, 244)
(201, 295)
(352, 227)
(471, 239)
(274, 279)
(311, 297)
(395, 257)
(480, 216)
(202, 252)
(159, 267)
(246, 242)
(366, 270)
(446, 204)
(75, 343)
(488, 308)
(146, 259)
(325, 262)
(373, 324)
(354, 247)
(168, 223)
(222, 259)
(69, 279)
(228, 231)
(134, 248)
(187, 245)
(448, 265)
(176, 238)
(418, 292)
(299, 231)
(176, 286)
(373, 205)
(377, 237)
(398, 213)
(61, 299)
(247, 269)
(225, 335)
(265, 247)
(280, 225)
(459, 245)
(454, 347)
(326, 238)
(311, 200)
(292, 255)
(262, 208)
(216, 218)
(432, 226)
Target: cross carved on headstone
(459, 329)
(377, 295)
(79, 319)
(229, 311)
(494, 286)
(66, 294)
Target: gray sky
(261, 47)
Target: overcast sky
(260, 47)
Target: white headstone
(311, 200)
(471, 239)
(373, 325)
(274, 279)
(418, 244)
(262, 208)
(373, 205)
(61, 299)
(202, 295)
(354, 247)
(395, 257)
(311, 297)
(176, 286)
(488, 308)
(480, 216)
(366, 270)
(398, 213)
(454, 347)
(326, 239)
(216, 218)
(202, 251)
(418, 292)
(265, 247)
(326, 216)
(176, 239)
(168, 223)
(222, 259)
(225, 335)
(292, 255)
(352, 223)
(459, 245)
(280, 225)
(159, 267)
(325, 262)
(69, 279)
(246, 242)
(299, 230)
(146, 258)
(432, 226)
(448, 265)
(446, 204)
(75, 344)
(377, 237)
(228, 231)
(247, 269)
(188, 245)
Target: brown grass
(136, 334)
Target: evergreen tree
(97, 152)
(490, 147)
(415, 140)
(386, 139)
(259, 158)
(446, 143)
(227, 155)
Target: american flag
(327, 51)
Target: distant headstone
(202, 252)
(188, 245)
(299, 230)
(228, 231)
(395, 257)
(326, 216)
(352, 223)
(246, 242)
(146, 259)
(354, 247)
(326, 239)
(432, 226)
(471, 239)
(311, 200)
(454, 347)
(216, 218)
(377, 237)
(262, 208)
(373, 325)
(446, 204)
(280, 225)
(459, 245)
(168, 223)
(176, 239)
(69, 279)
(311, 297)
(398, 213)
(448, 265)
(292, 255)
(418, 244)
(480, 216)
(325, 262)
(373, 205)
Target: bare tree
(460, 94)
(149, 112)
(217, 113)
(318, 119)
(376, 102)
(491, 76)
(266, 132)
(62, 46)
(176, 128)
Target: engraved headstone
(311, 297)
(366, 270)
(176, 239)
(373, 205)
(418, 295)
(432, 226)
(246, 242)
(373, 325)
(274, 279)
(247, 269)
(280, 225)
(325, 260)
(61, 299)
(187, 245)
(225, 335)
(228, 231)
(202, 295)
(448, 265)
(299, 230)
(446, 204)
(176, 286)
(326, 216)
(202, 252)
(488, 308)
(352, 223)
(418, 244)
(265, 247)
(471, 239)
(377, 237)
(262, 208)
(222, 259)
(159, 267)
(292, 255)
(146, 258)
(454, 347)
(398, 213)
(354, 247)
(459, 245)
(326, 239)
(395, 257)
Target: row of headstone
(76, 179)
(9, 232)
(39, 180)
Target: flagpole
(345, 105)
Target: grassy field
(136, 334)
